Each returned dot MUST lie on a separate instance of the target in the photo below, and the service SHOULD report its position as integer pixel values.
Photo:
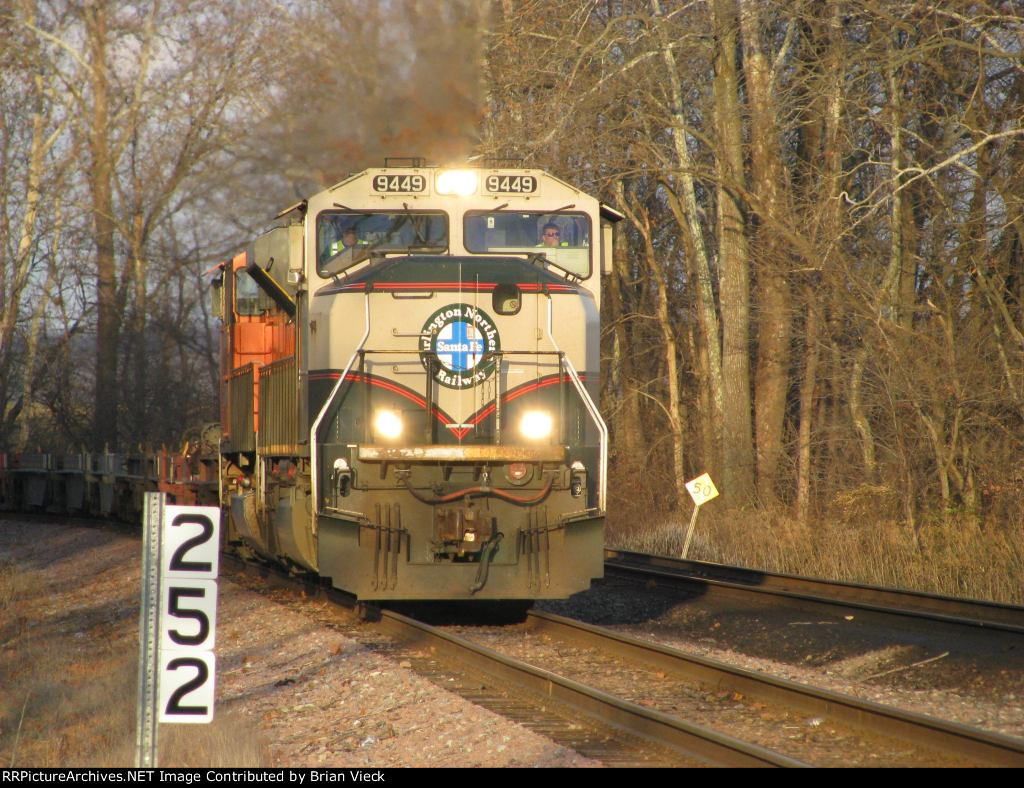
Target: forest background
(817, 290)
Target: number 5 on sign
(188, 615)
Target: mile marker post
(149, 631)
(178, 621)
(702, 490)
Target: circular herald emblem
(460, 336)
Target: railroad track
(593, 723)
(578, 715)
(716, 579)
(605, 726)
(969, 745)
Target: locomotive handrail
(591, 409)
(314, 459)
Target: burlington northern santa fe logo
(461, 337)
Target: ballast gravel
(309, 694)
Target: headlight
(459, 182)
(535, 425)
(387, 424)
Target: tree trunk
(771, 204)
(138, 386)
(35, 326)
(628, 428)
(733, 262)
(821, 302)
(807, 400)
(708, 351)
(108, 313)
(673, 405)
(687, 214)
(13, 291)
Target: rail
(679, 736)
(874, 599)
(971, 744)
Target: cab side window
(249, 299)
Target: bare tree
(32, 168)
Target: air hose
(486, 555)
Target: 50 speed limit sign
(702, 489)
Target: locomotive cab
(431, 431)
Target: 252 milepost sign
(178, 618)
(188, 612)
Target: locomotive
(410, 364)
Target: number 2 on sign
(190, 698)
(191, 546)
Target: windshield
(346, 238)
(563, 238)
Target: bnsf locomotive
(410, 367)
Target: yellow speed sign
(702, 489)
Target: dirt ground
(289, 690)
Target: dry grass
(8, 584)
(68, 685)
(860, 542)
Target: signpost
(702, 490)
(178, 620)
(145, 745)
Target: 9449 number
(401, 184)
(510, 184)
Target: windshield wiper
(412, 223)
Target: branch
(60, 43)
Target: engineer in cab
(551, 236)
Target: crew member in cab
(349, 240)
(550, 235)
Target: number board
(500, 183)
(189, 560)
(399, 184)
